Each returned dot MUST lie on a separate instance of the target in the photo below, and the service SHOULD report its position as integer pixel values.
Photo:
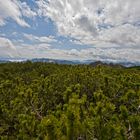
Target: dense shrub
(69, 102)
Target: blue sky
(65, 29)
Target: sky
(105, 30)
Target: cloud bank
(108, 29)
(95, 21)
(7, 48)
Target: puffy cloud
(21, 49)
(7, 49)
(76, 42)
(26, 10)
(125, 35)
(107, 54)
(95, 22)
(15, 10)
(44, 50)
(110, 28)
(42, 39)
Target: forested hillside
(40, 101)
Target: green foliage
(65, 102)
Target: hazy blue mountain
(55, 61)
(72, 62)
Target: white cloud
(7, 49)
(21, 49)
(104, 54)
(15, 10)
(111, 28)
(95, 22)
(26, 10)
(41, 39)
(76, 42)
(45, 50)
(125, 35)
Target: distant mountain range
(47, 60)
(58, 61)
(118, 64)
(72, 62)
